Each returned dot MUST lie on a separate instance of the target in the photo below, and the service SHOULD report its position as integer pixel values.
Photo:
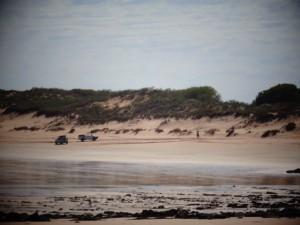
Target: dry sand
(119, 133)
(281, 151)
(273, 155)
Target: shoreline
(237, 221)
(146, 215)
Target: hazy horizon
(237, 47)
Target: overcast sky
(237, 46)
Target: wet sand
(183, 163)
(275, 155)
(192, 175)
(244, 221)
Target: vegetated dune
(42, 114)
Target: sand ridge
(144, 130)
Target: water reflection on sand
(46, 174)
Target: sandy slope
(124, 132)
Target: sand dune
(145, 131)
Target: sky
(239, 47)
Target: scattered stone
(36, 217)
(236, 205)
(88, 217)
(272, 212)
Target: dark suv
(88, 137)
(60, 140)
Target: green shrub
(280, 93)
(275, 103)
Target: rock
(236, 205)
(146, 214)
(36, 217)
(279, 205)
(289, 212)
(17, 217)
(109, 213)
(290, 126)
(122, 214)
(294, 171)
(88, 217)
(269, 133)
(230, 132)
(182, 213)
(159, 214)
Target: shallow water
(29, 169)
(33, 176)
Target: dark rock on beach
(88, 217)
(236, 205)
(294, 171)
(289, 212)
(24, 217)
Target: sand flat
(285, 155)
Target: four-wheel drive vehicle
(60, 140)
(88, 137)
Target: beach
(121, 177)
(149, 112)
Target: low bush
(270, 133)
(275, 103)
